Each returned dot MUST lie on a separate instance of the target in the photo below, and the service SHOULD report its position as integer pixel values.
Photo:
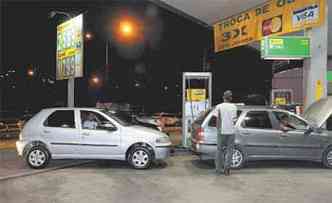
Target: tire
(239, 159)
(140, 157)
(38, 157)
(327, 158)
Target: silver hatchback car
(259, 135)
(89, 133)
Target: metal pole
(107, 61)
(106, 53)
(71, 92)
(184, 124)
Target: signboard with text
(69, 53)
(196, 94)
(288, 47)
(282, 96)
(275, 17)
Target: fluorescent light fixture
(281, 58)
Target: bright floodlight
(95, 80)
(88, 36)
(126, 28)
(30, 72)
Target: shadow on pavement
(209, 164)
(114, 164)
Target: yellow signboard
(69, 57)
(196, 94)
(319, 90)
(274, 17)
(280, 101)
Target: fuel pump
(197, 98)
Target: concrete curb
(35, 172)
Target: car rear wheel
(38, 157)
(238, 159)
(327, 157)
(140, 157)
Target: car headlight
(162, 140)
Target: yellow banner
(275, 17)
(196, 94)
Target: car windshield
(122, 118)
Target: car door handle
(46, 131)
(245, 133)
(86, 134)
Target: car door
(295, 143)
(61, 132)
(259, 138)
(99, 141)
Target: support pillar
(315, 68)
(2, 62)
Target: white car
(89, 133)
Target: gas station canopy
(209, 12)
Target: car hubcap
(329, 158)
(237, 158)
(37, 158)
(140, 158)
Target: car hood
(145, 131)
(319, 112)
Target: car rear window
(202, 116)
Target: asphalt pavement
(182, 178)
(13, 166)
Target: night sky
(138, 73)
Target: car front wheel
(140, 158)
(38, 157)
(327, 157)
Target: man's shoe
(227, 172)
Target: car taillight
(199, 135)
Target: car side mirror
(309, 130)
(107, 126)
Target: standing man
(226, 114)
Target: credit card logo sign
(272, 26)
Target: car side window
(329, 124)
(61, 119)
(297, 123)
(257, 120)
(94, 121)
(293, 121)
(213, 121)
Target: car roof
(72, 108)
(262, 108)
